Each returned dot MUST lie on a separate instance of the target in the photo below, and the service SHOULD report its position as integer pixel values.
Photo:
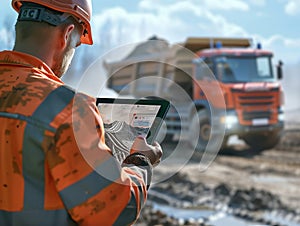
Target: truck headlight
(281, 117)
(229, 120)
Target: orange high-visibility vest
(55, 168)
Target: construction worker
(55, 168)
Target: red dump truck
(247, 81)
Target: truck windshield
(231, 69)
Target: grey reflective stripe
(33, 154)
(106, 174)
(28, 119)
(129, 214)
(36, 218)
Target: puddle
(210, 217)
(218, 218)
(226, 213)
(233, 221)
(183, 213)
(281, 220)
(272, 179)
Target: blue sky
(274, 23)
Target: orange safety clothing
(55, 168)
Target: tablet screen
(125, 119)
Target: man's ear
(67, 31)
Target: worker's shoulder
(78, 95)
(76, 99)
(63, 104)
(67, 94)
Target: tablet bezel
(160, 116)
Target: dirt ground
(275, 171)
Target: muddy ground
(238, 181)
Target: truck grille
(265, 100)
(249, 116)
(253, 106)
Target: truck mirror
(279, 70)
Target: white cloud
(150, 5)
(282, 47)
(292, 43)
(123, 26)
(207, 21)
(2, 39)
(218, 26)
(292, 7)
(226, 5)
(281, 40)
(174, 22)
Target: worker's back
(27, 110)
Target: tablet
(125, 119)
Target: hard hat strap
(41, 14)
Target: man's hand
(153, 152)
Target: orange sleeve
(90, 181)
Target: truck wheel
(260, 142)
(200, 119)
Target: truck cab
(253, 96)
